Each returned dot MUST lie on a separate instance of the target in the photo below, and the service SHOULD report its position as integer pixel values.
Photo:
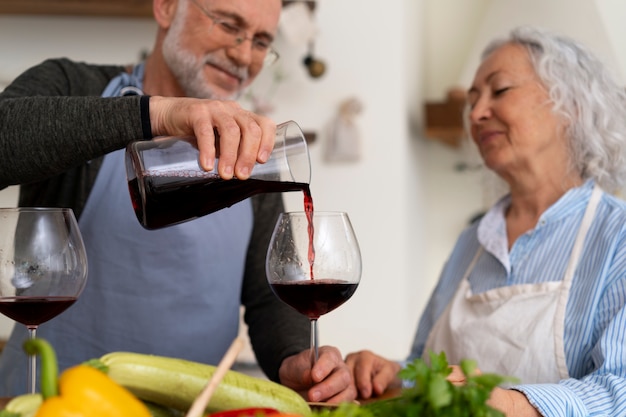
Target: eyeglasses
(229, 33)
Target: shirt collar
(492, 234)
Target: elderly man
(175, 291)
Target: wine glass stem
(32, 363)
(314, 353)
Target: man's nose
(241, 52)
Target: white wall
(379, 192)
(27, 40)
(455, 34)
(371, 64)
(406, 200)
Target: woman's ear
(164, 11)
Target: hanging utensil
(315, 67)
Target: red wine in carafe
(174, 199)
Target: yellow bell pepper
(84, 390)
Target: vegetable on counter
(247, 412)
(25, 405)
(141, 385)
(175, 383)
(432, 394)
(81, 390)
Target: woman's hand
(510, 402)
(329, 380)
(244, 137)
(372, 374)
(457, 377)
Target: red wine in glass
(314, 298)
(43, 267)
(333, 271)
(309, 209)
(33, 311)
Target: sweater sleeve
(276, 330)
(52, 118)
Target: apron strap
(590, 212)
(470, 268)
(559, 316)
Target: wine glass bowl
(43, 266)
(313, 263)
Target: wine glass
(43, 267)
(313, 264)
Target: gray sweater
(55, 130)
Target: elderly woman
(537, 288)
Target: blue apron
(173, 291)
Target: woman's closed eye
(499, 91)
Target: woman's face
(511, 117)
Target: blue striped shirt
(595, 323)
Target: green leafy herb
(432, 395)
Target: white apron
(516, 330)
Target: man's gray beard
(187, 69)
(189, 74)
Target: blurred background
(378, 87)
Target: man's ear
(164, 11)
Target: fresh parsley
(432, 395)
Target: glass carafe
(168, 186)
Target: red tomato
(247, 412)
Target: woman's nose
(480, 110)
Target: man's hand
(372, 374)
(329, 380)
(244, 137)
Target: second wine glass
(313, 264)
(43, 267)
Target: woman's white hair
(586, 95)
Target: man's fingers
(337, 387)
(268, 137)
(250, 141)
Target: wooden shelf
(119, 8)
(444, 120)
